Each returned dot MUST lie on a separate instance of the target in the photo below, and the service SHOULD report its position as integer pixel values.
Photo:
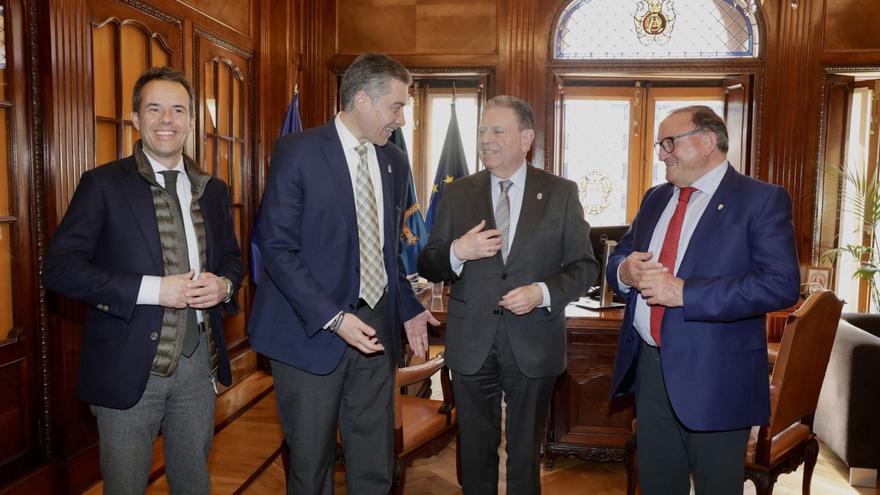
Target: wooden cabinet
(583, 422)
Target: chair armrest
(414, 374)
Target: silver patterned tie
(372, 266)
(502, 218)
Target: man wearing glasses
(709, 254)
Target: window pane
(662, 109)
(129, 136)
(237, 170)
(104, 68)
(237, 109)
(210, 98)
(209, 166)
(614, 29)
(5, 280)
(160, 56)
(222, 170)
(596, 156)
(223, 98)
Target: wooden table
(583, 422)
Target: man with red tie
(709, 254)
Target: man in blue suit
(334, 293)
(147, 243)
(708, 255)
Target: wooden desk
(583, 423)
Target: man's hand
(637, 266)
(477, 243)
(359, 335)
(662, 289)
(206, 291)
(417, 331)
(523, 299)
(172, 290)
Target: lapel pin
(540, 195)
(389, 168)
(720, 206)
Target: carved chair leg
(810, 456)
(763, 482)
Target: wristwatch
(229, 290)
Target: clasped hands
(181, 291)
(653, 280)
(478, 243)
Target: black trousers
(669, 453)
(478, 400)
(359, 395)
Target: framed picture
(818, 277)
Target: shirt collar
(518, 178)
(158, 167)
(708, 183)
(346, 138)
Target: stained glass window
(652, 29)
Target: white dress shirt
(349, 143)
(150, 285)
(515, 196)
(705, 188)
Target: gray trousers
(182, 405)
(669, 452)
(478, 400)
(358, 396)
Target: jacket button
(503, 276)
(496, 312)
(154, 335)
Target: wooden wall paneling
(738, 116)
(789, 136)
(238, 16)
(850, 30)
(24, 430)
(317, 96)
(225, 82)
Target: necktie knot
(170, 177)
(684, 194)
(505, 185)
(361, 150)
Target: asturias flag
(414, 235)
(453, 164)
(292, 124)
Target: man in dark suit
(513, 240)
(708, 255)
(147, 243)
(334, 293)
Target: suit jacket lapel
(140, 199)
(653, 208)
(387, 201)
(481, 199)
(335, 160)
(708, 223)
(530, 213)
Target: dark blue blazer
(106, 242)
(740, 263)
(311, 256)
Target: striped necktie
(502, 218)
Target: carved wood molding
(39, 221)
(162, 16)
(596, 454)
(200, 33)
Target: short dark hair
(520, 107)
(371, 72)
(705, 119)
(161, 74)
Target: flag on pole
(452, 165)
(292, 124)
(413, 235)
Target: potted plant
(861, 198)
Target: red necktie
(669, 252)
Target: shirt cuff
(623, 287)
(149, 290)
(327, 325)
(546, 292)
(456, 264)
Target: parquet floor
(242, 462)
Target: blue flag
(414, 235)
(292, 124)
(452, 165)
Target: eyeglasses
(668, 144)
